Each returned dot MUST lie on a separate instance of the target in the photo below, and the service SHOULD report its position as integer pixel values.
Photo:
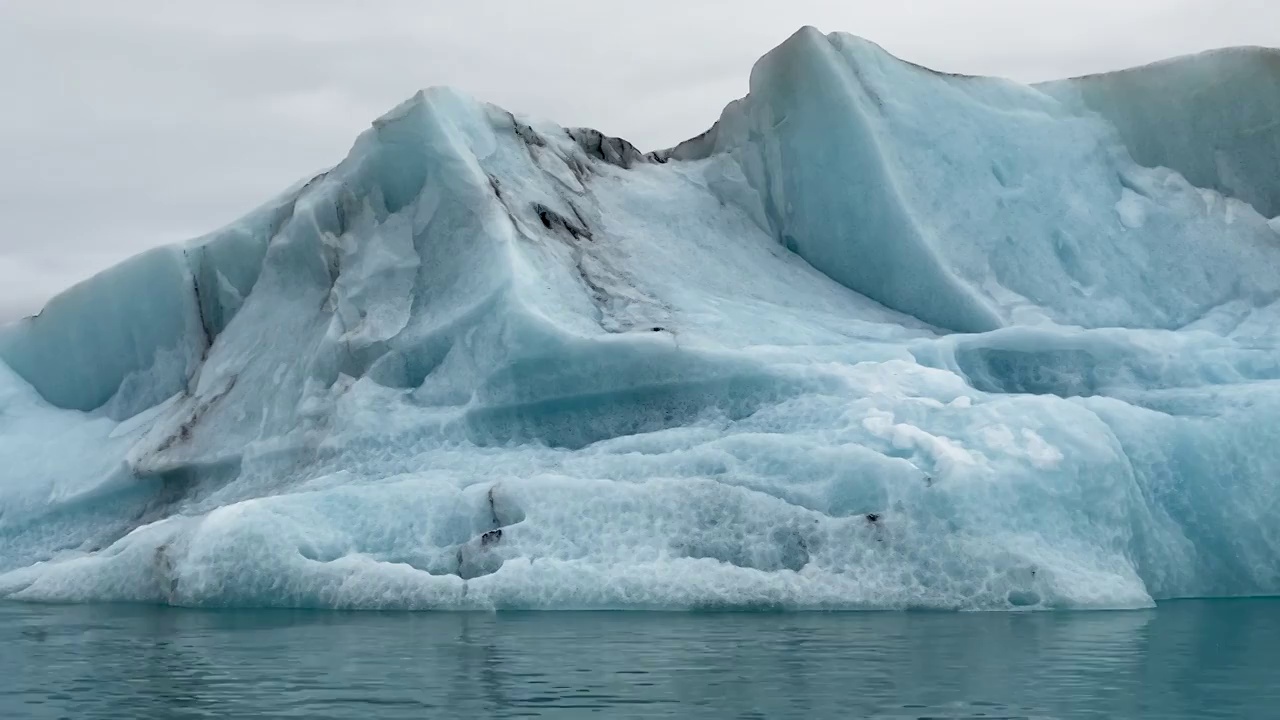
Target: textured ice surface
(883, 337)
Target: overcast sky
(132, 123)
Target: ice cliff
(881, 338)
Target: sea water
(1192, 659)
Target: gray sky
(132, 123)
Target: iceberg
(881, 338)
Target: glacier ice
(881, 338)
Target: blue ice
(882, 338)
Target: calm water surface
(1185, 660)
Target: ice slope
(1212, 118)
(882, 338)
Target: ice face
(883, 338)
(1211, 118)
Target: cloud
(132, 123)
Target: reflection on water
(1184, 660)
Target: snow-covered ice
(881, 338)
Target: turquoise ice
(881, 338)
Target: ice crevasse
(881, 338)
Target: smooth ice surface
(883, 337)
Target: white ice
(882, 338)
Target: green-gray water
(1183, 660)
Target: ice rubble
(881, 338)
